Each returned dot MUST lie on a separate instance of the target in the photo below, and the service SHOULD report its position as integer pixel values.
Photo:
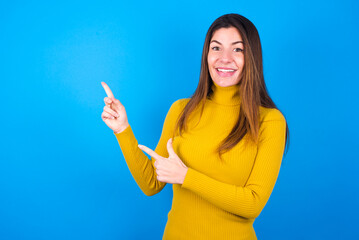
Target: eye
(238, 50)
(215, 48)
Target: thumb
(170, 150)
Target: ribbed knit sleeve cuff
(127, 129)
(127, 140)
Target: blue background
(62, 173)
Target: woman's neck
(228, 96)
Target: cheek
(211, 60)
(210, 67)
(240, 62)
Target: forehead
(230, 34)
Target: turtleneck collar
(228, 96)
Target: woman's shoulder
(270, 114)
(176, 108)
(179, 104)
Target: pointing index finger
(107, 90)
(149, 152)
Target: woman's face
(226, 57)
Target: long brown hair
(253, 90)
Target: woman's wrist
(122, 129)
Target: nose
(226, 56)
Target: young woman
(221, 149)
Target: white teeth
(225, 70)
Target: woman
(221, 149)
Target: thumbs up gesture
(169, 170)
(114, 113)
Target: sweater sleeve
(141, 168)
(247, 201)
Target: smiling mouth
(225, 70)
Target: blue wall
(62, 173)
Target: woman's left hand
(169, 170)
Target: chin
(226, 83)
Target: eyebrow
(221, 43)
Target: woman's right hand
(114, 113)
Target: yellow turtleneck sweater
(217, 200)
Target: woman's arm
(141, 167)
(247, 201)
